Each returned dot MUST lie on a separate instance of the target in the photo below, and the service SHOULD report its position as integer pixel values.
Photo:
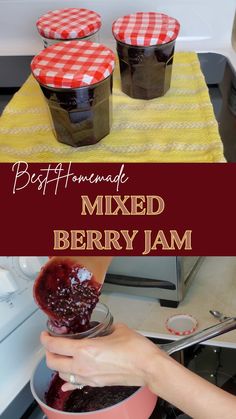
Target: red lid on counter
(69, 23)
(73, 64)
(181, 324)
(145, 29)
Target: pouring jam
(67, 293)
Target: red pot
(139, 405)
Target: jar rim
(80, 38)
(93, 331)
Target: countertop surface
(214, 287)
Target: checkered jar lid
(73, 64)
(68, 23)
(145, 29)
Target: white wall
(204, 23)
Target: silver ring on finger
(72, 380)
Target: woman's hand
(118, 359)
(127, 358)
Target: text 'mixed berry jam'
(76, 80)
(67, 293)
(69, 24)
(145, 45)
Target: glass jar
(76, 80)
(145, 46)
(101, 325)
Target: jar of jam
(69, 24)
(76, 80)
(145, 46)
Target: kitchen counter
(214, 287)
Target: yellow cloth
(179, 127)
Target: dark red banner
(131, 209)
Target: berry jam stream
(68, 293)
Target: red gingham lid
(145, 29)
(181, 324)
(68, 23)
(73, 64)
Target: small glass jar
(101, 325)
(145, 46)
(69, 24)
(76, 80)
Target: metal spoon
(218, 315)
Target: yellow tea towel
(179, 127)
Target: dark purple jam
(81, 116)
(145, 71)
(67, 293)
(88, 399)
(55, 397)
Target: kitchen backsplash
(200, 20)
